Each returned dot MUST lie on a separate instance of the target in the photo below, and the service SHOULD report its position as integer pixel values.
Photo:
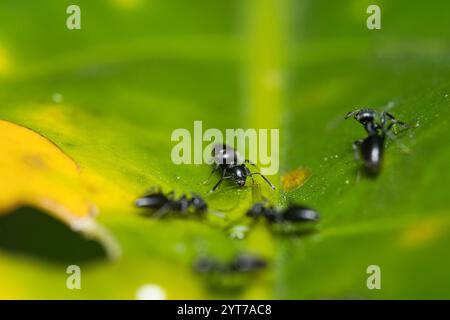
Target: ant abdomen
(292, 214)
(297, 213)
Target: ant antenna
(258, 173)
(265, 179)
(352, 113)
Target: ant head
(239, 175)
(198, 203)
(363, 116)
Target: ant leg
(390, 134)
(265, 179)
(184, 204)
(394, 121)
(390, 116)
(220, 181)
(383, 119)
(400, 123)
(161, 211)
(249, 173)
(210, 175)
(154, 189)
(356, 147)
(171, 194)
(217, 184)
(392, 137)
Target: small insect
(242, 263)
(371, 149)
(292, 214)
(162, 203)
(232, 167)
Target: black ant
(163, 203)
(371, 149)
(231, 165)
(242, 263)
(292, 214)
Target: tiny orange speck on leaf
(295, 178)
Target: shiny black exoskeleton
(242, 263)
(161, 203)
(232, 167)
(292, 214)
(371, 149)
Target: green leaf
(110, 95)
(400, 220)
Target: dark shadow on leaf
(369, 174)
(30, 232)
(294, 233)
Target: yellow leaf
(35, 172)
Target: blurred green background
(110, 95)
